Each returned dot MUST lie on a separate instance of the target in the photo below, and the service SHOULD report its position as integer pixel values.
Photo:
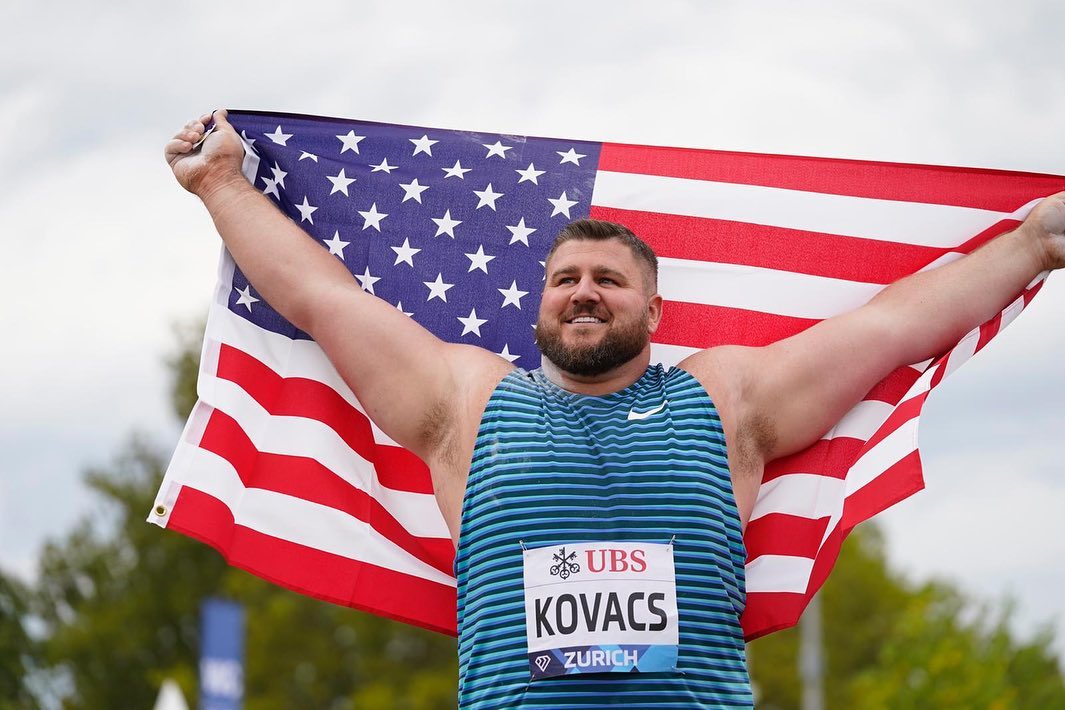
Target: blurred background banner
(221, 655)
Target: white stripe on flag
(299, 436)
(915, 223)
(754, 288)
(779, 573)
(297, 520)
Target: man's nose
(586, 291)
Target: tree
(17, 649)
(889, 643)
(120, 602)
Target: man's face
(596, 312)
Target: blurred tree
(889, 644)
(120, 602)
(17, 649)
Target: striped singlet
(550, 468)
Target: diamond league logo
(564, 564)
(542, 662)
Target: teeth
(586, 319)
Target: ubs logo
(564, 564)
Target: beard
(620, 344)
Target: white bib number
(601, 607)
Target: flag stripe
(301, 397)
(305, 478)
(997, 190)
(275, 514)
(913, 223)
(404, 597)
(298, 437)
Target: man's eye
(609, 282)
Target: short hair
(601, 230)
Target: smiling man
(598, 504)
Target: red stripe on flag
(310, 571)
(828, 457)
(998, 190)
(897, 482)
(782, 534)
(305, 478)
(300, 397)
(814, 253)
(700, 326)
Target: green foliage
(889, 644)
(120, 599)
(17, 649)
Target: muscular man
(599, 462)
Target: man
(598, 455)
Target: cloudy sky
(103, 253)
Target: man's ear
(654, 313)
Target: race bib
(600, 607)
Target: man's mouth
(581, 320)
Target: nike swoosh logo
(635, 416)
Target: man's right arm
(412, 385)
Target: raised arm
(781, 398)
(414, 386)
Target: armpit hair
(437, 431)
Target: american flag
(280, 470)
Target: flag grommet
(160, 510)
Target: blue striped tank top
(551, 467)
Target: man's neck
(603, 384)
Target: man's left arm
(781, 398)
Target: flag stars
(336, 245)
(367, 281)
(561, 204)
(456, 170)
(278, 137)
(308, 156)
(249, 141)
(399, 307)
(529, 174)
(471, 323)
(246, 299)
(271, 187)
(570, 156)
(413, 191)
(479, 260)
(423, 145)
(496, 148)
(512, 296)
(279, 175)
(372, 218)
(437, 289)
(520, 233)
(405, 253)
(306, 210)
(350, 141)
(340, 182)
(383, 166)
(487, 197)
(446, 225)
(506, 354)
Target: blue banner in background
(221, 655)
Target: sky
(103, 253)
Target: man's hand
(1046, 224)
(215, 162)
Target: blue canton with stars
(449, 226)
